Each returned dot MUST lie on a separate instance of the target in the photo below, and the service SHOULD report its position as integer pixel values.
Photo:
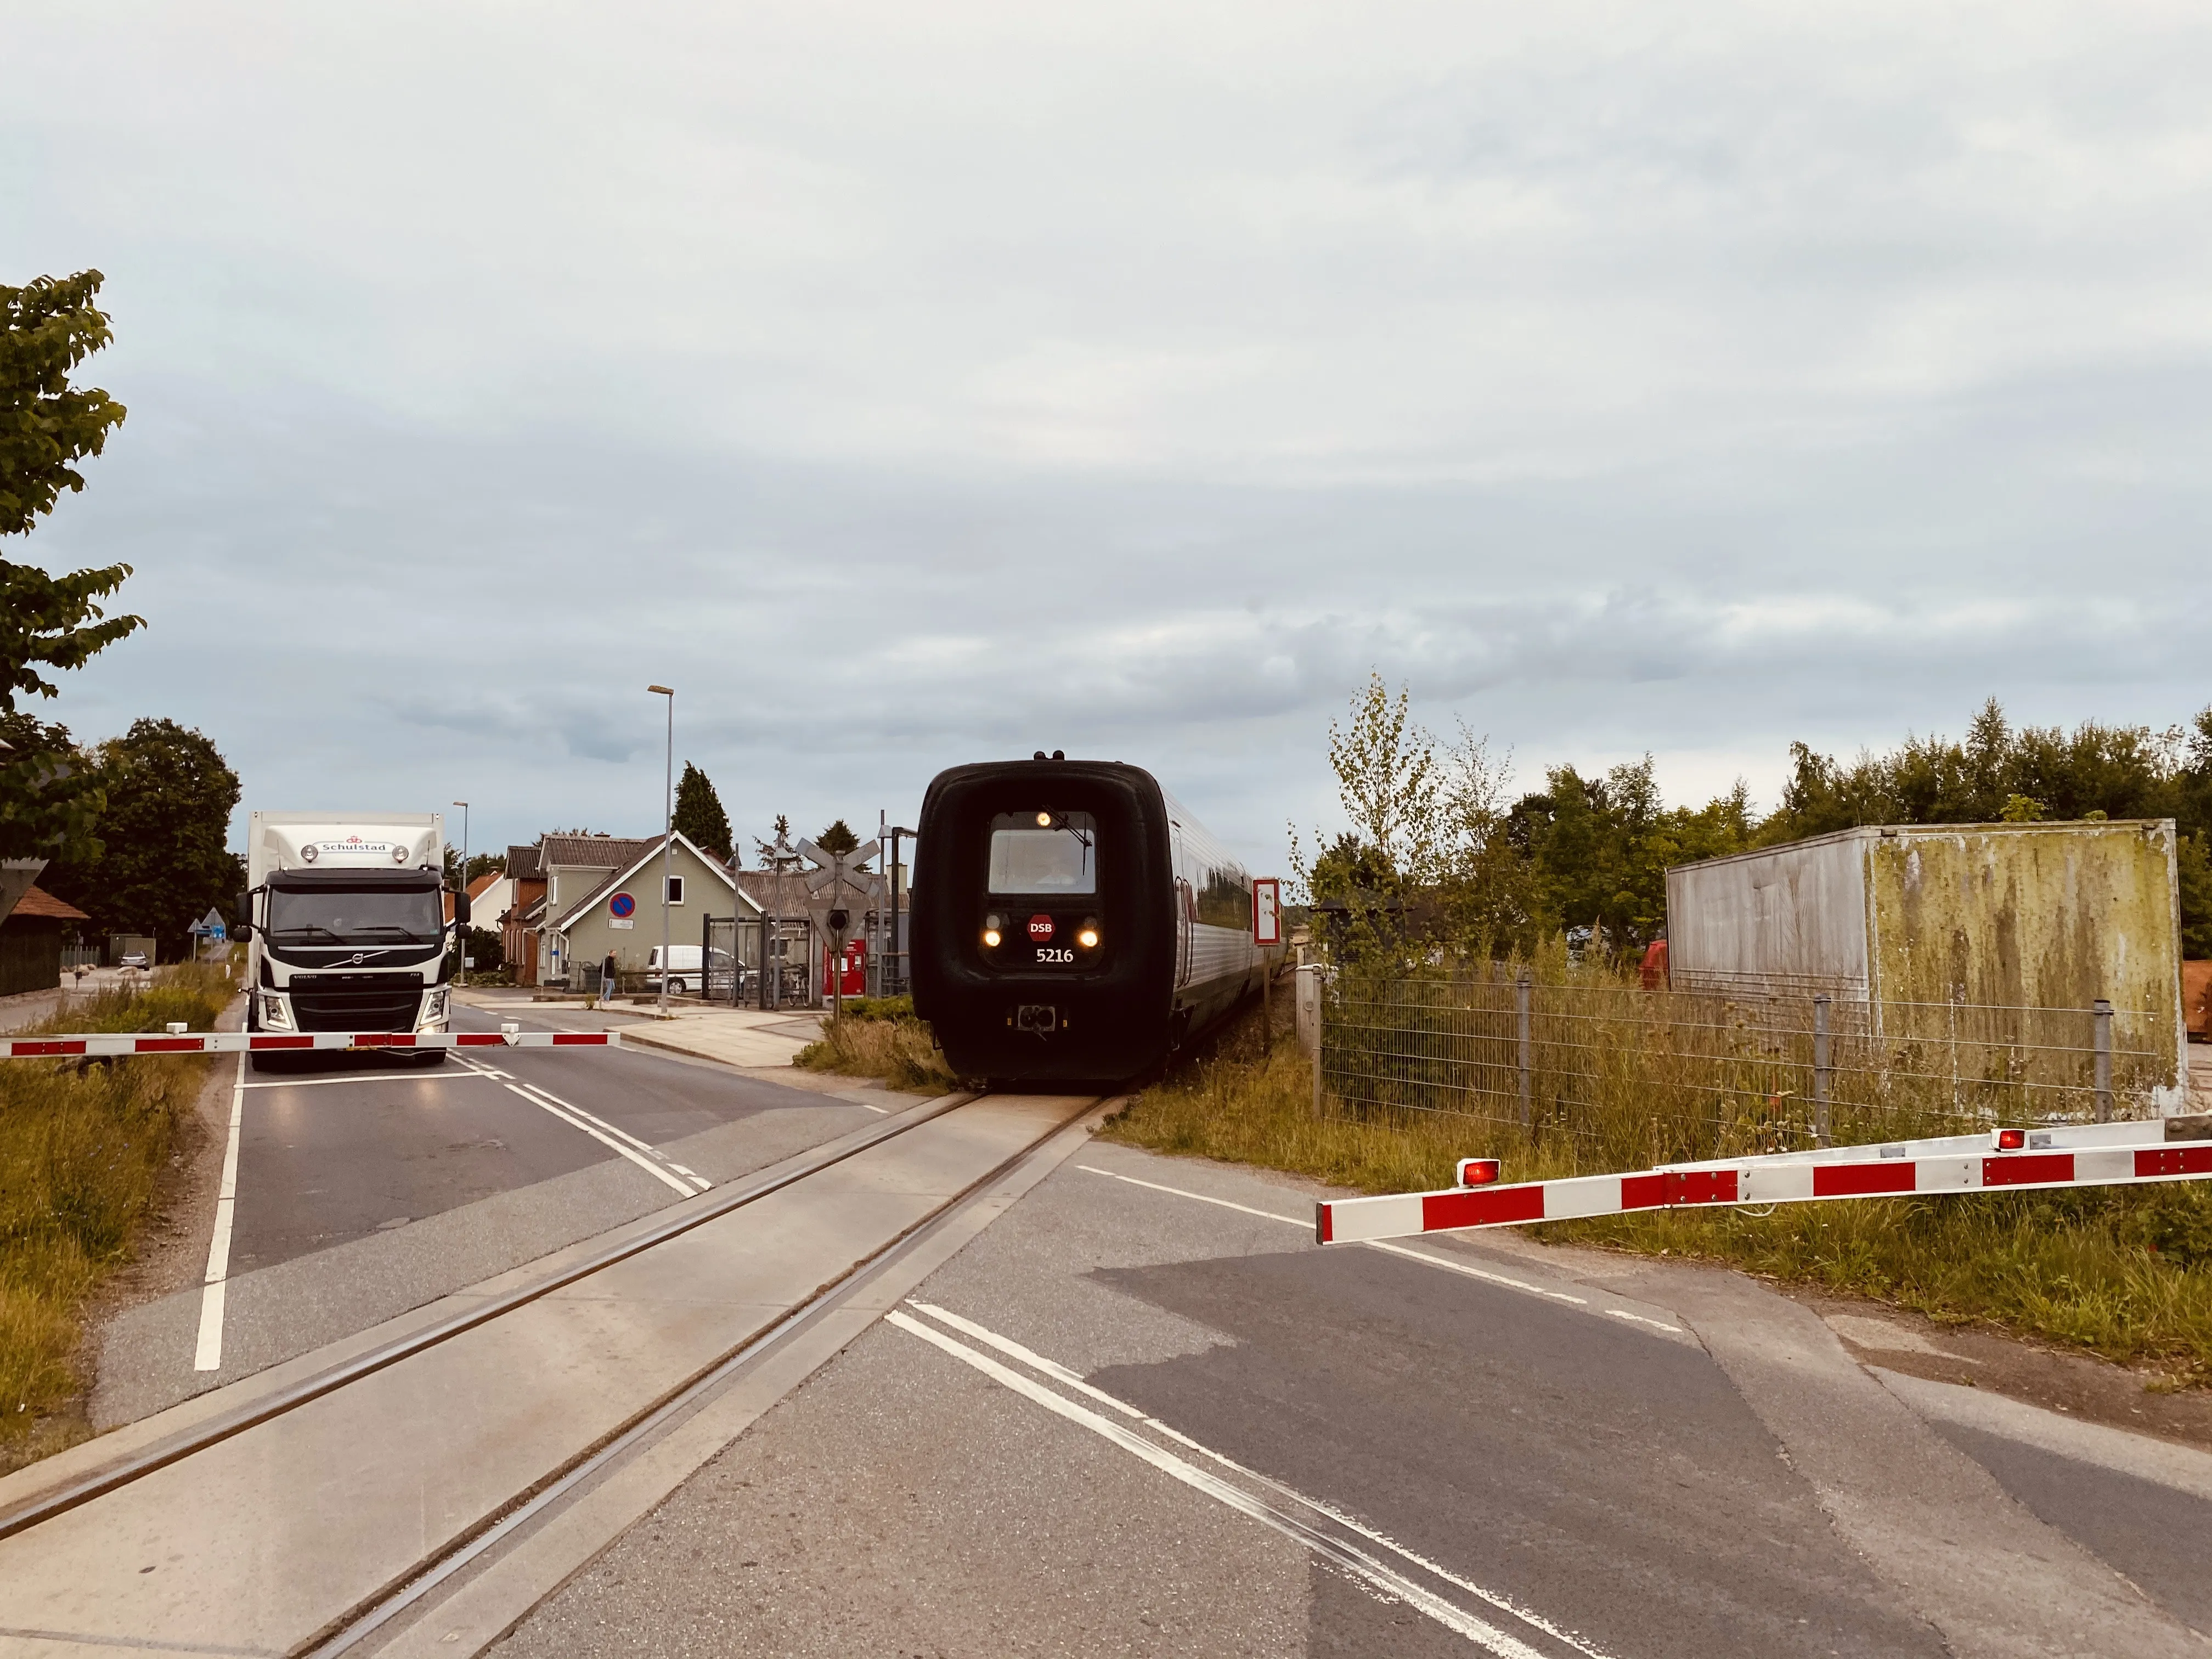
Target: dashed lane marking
(1378, 1574)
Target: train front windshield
(1043, 853)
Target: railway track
(267, 1520)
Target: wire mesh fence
(1623, 1074)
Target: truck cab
(346, 925)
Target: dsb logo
(1040, 928)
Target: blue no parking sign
(623, 907)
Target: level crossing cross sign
(1266, 911)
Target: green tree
(47, 329)
(164, 862)
(50, 797)
(837, 838)
(699, 814)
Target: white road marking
(1478, 1272)
(1056, 1370)
(606, 1135)
(1661, 1324)
(1246, 1209)
(207, 1354)
(425, 1075)
(1393, 1584)
(1449, 1266)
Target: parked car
(136, 959)
(686, 966)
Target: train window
(1043, 852)
(1225, 901)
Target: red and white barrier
(101, 1044)
(2002, 1160)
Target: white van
(686, 968)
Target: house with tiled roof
(621, 912)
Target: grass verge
(879, 1037)
(83, 1147)
(2123, 1273)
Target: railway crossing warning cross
(834, 890)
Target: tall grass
(880, 1037)
(2125, 1273)
(82, 1146)
(1620, 1076)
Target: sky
(907, 385)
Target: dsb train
(1072, 922)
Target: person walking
(609, 971)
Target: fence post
(1313, 984)
(1820, 1070)
(1520, 1009)
(2102, 1014)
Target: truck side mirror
(461, 907)
(245, 928)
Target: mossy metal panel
(2028, 917)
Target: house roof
(523, 863)
(477, 887)
(597, 852)
(37, 901)
(652, 852)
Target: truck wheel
(435, 1057)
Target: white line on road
(208, 1354)
(1391, 1583)
(1449, 1266)
(1245, 1209)
(645, 1147)
(424, 1075)
(1477, 1273)
(1053, 1368)
(605, 1134)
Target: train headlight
(990, 932)
(1044, 820)
(1088, 937)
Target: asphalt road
(1135, 1420)
(364, 1189)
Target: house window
(676, 890)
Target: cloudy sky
(910, 385)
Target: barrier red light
(1477, 1171)
(2012, 1141)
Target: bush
(880, 1043)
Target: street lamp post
(464, 805)
(667, 833)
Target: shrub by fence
(1621, 1077)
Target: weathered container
(1988, 915)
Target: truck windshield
(355, 916)
(1043, 852)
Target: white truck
(345, 920)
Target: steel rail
(293, 1396)
(644, 1429)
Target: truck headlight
(433, 1010)
(275, 1016)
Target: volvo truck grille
(354, 1002)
